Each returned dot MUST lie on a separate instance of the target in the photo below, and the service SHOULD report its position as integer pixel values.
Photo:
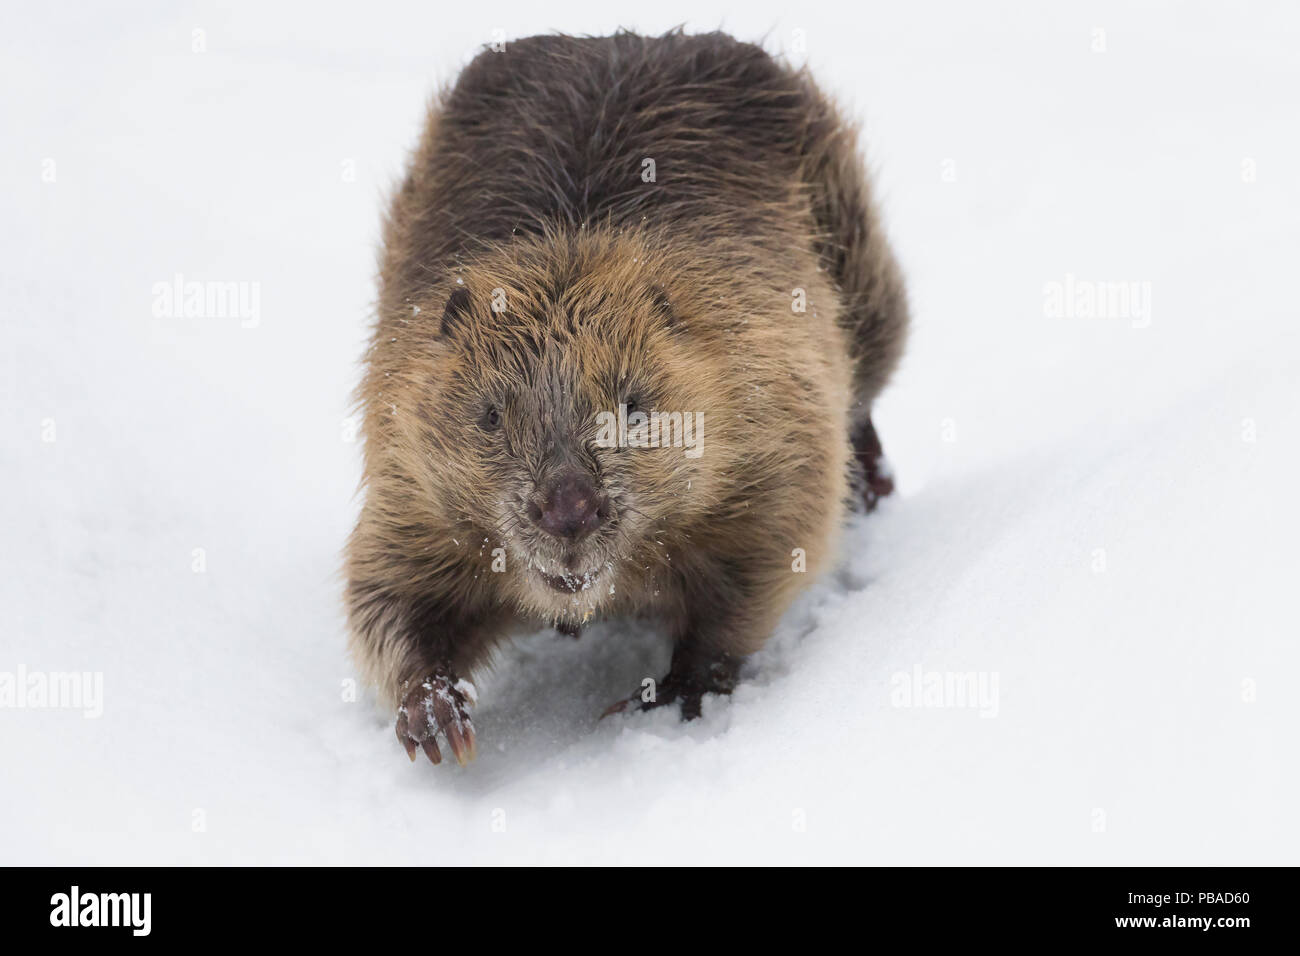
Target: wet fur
(528, 180)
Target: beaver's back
(556, 130)
(560, 129)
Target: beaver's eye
(491, 419)
(633, 403)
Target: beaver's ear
(663, 307)
(456, 313)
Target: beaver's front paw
(438, 704)
(686, 684)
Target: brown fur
(528, 185)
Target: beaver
(635, 304)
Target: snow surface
(1083, 513)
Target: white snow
(1097, 517)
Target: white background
(1147, 712)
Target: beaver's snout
(571, 506)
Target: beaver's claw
(437, 704)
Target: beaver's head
(567, 418)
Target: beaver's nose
(572, 508)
